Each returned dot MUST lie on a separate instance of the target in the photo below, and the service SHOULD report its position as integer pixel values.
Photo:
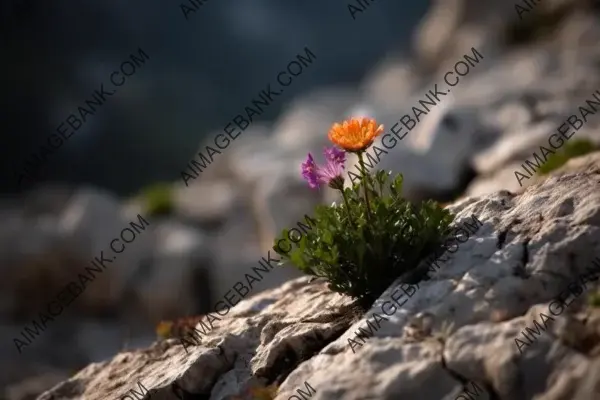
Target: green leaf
(360, 255)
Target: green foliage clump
(158, 199)
(362, 245)
(594, 299)
(571, 149)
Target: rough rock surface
(496, 117)
(455, 333)
(272, 331)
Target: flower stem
(365, 183)
(347, 207)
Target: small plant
(178, 328)
(158, 199)
(258, 392)
(594, 299)
(572, 149)
(264, 392)
(364, 244)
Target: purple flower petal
(317, 175)
(309, 172)
(334, 154)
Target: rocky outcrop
(485, 323)
(471, 143)
(272, 332)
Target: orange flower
(355, 135)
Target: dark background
(201, 73)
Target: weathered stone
(454, 335)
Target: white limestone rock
(91, 220)
(456, 331)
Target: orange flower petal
(356, 134)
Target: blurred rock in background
(202, 72)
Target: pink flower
(329, 174)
